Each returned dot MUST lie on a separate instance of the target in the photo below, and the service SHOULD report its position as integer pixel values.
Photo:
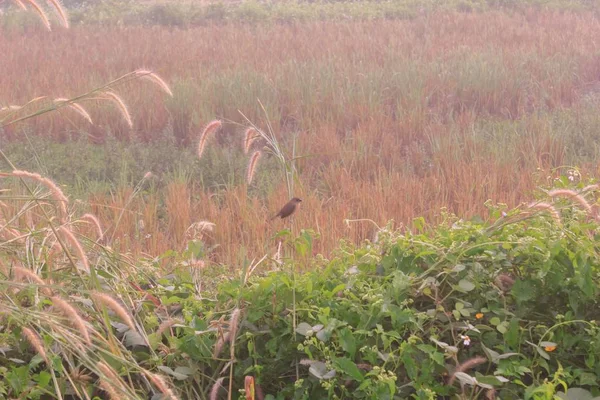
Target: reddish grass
(389, 116)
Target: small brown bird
(288, 209)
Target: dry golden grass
(252, 166)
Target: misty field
(445, 245)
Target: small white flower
(466, 340)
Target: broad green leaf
(349, 368)
(348, 342)
(318, 369)
(43, 379)
(542, 353)
(458, 268)
(465, 378)
(303, 328)
(466, 285)
(489, 380)
(576, 394)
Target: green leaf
(489, 380)
(458, 268)
(576, 394)
(542, 353)
(523, 290)
(303, 328)
(318, 369)
(169, 371)
(465, 378)
(337, 289)
(466, 285)
(43, 379)
(502, 327)
(348, 342)
(133, 339)
(587, 379)
(348, 367)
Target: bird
(288, 209)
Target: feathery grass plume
(549, 208)
(107, 371)
(118, 101)
(57, 194)
(234, 324)
(160, 383)
(252, 165)
(205, 226)
(10, 234)
(467, 365)
(60, 11)
(94, 221)
(250, 136)
(219, 345)
(111, 378)
(73, 316)
(590, 188)
(210, 129)
(75, 107)
(166, 325)
(72, 240)
(148, 175)
(112, 392)
(214, 391)
(572, 195)
(111, 303)
(21, 273)
(152, 77)
(41, 13)
(35, 342)
(197, 229)
(20, 4)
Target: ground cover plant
(503, 306)
(466, 309)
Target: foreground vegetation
(466, 309)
